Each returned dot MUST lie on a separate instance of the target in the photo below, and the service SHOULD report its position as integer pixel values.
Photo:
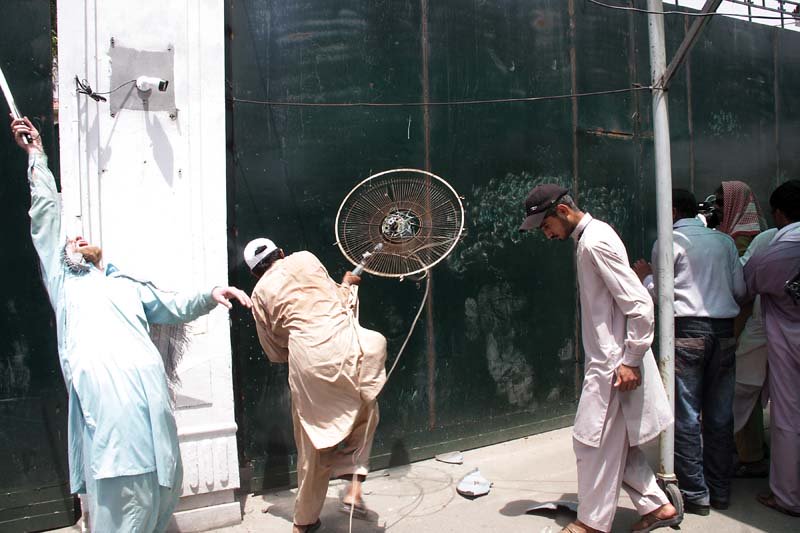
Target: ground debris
(473, 485)
(554, 505)
(453, 458)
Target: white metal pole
(665, 278)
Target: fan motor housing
(400, 225)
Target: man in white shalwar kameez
(751, 374)
(123, 441)
(336, 370)
(623, 403)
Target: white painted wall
(151, 190)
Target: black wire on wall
(633, 88)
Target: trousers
(705, 378)
(611, 465)
(316, 467)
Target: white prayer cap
(256, 250)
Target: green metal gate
(498, 355)
(34, 488)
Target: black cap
(539, 200)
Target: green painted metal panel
(286, 167)
(604, 64)
(733, 107)
(494, 369)
(498, 355)
(787, 68)
(490, 334)
(34, 491)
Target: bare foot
(353, 494)
(665, 511)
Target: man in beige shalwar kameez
(336, 370)
(623, 403)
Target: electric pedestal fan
(399, 223)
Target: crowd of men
(737, 325)
(735, 317)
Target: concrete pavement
(421, 497)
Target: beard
(79, 261)
(91, 254)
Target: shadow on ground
(332, 519)
(561, 515)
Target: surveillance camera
(147, 83)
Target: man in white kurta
(623, 403)
(751, 373)
(336, 370)
(123, 441)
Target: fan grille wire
(416, 215)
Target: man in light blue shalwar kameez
(123, 441)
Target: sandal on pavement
(360, 510)
(310, 528)
(574, 527)
(768, 499)
(650, 521)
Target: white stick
(12, 106)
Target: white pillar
(149, 186)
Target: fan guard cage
(415, 214)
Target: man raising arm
(122, 437)
(336, 370)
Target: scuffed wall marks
(490, 321)
(724, 124)
(609, 205)
(524, 346)
(494, 212)
(15, 373)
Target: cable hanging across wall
(633, 88)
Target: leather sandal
(358, 508)
(650, 521)
(310, 528)
(768, 499)
(574, 527)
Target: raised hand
(351, 279)
(21, 127)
